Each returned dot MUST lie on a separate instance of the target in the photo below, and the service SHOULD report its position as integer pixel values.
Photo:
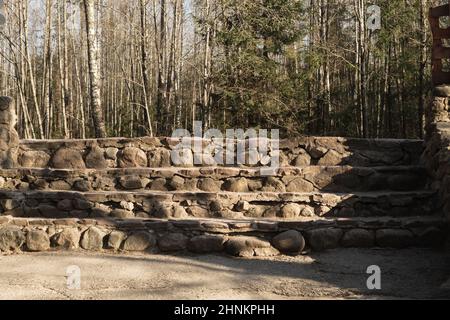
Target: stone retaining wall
(265, 205)
(238, 238)
(288, 179)
(437, 152)
(155, 152)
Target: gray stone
(176, 183)
(173, 242)
(266, 252)
(332, 158)
(207, 244)
(38, 240)
(111, 153)
(34, 159)
(291, 242)
(81, 204)
(82, 185)
(67, 239)
(239, 185)
(65, 205)
(115, 240)
(131, 182)
(139, 241)
(394, 238)
(122, 214)
(60, 185)
(67, 158)
(291, 211)
(159, 158)
(358, 238)
(49, 211)
(11, 238)
(273, 184)
(325, 238)
(245, 246)
(302, 160)
(300, 185)
(209, 185)
(132, 157)
(96, 158)
(92, 239)
(158, 184)
(179, 212)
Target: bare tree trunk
(94, 69)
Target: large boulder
(207, 243)
(37, 240)
(92, 239)
(139, 241)
(236, 185)
(96, 158)
(290, 242)
(324, 238)
(67, 239)
(34, 159)
(11, 238)
(242, 246)
(132, 157)
(173, 242)
(358, 238)
(115, 240)
(68, 158)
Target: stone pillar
(9, 139)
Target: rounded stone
(131, 182)
(291, 211)
(302, 160)
(82, 185)
(207, 244)
(67, 158)
(291, 242)
(358, 238)
(11, 238)
(115, 240)
(173, 242)
(209, 185)
(67, 239)
(122, 214)
(324, 238)
(92, 239)
(139, 241)
(34, 159)
(242, 246)
(37, 240)
(239, 185)
(132, 157)
(394, 238)
(96, 158)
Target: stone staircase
(127, 194)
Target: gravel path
(336, 274)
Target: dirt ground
(336, 274)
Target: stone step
(269, 205)
(216, 179)
(244, 238)
(155, 152)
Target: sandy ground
(336, 274)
